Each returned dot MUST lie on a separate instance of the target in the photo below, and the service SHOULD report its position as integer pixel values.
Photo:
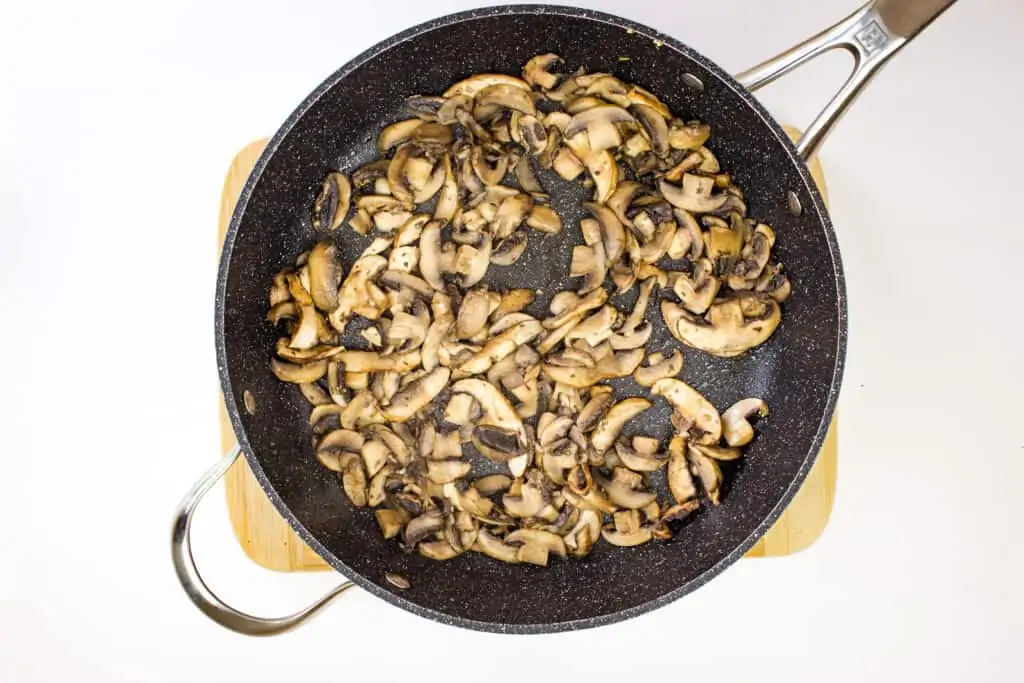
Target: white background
(119, 121)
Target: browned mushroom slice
(492, 484)
(698, 290)
(537, 71)
(397, 133)
(332, 204)
(615, 365)
(369, 361)
(623, 495)
(417, 396)
(298, 374)
(601, 399)
(398, 447)
(494, 547)
(499, 347)
(692, 409)
(774, 283)
(472, 313)
(354, 290)
(390, 522)
(753, 259)
(653, 127)
(636, 461)
(688, 240)
(496, 443)
(719, 453)
(510, 249)
(437, 550)
(736, 426)
(707, 471)
(528, 503)
(731, 327)
(313, 393)
(626, 540)
(421, 527)
(497, 411)
(680, 482)
(667, 367)
(445, 471)
(615, 419)
(363, 410)
(600, 124)
(689, 135)
(590, 263)
(549, 542)
(694, 195)
(566, 164)
(503, 96)
(613, 234)
(472, 262)
(353, 479)
(513, 301)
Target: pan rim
(816, 204)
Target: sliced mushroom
(537, 71)
(510, 249)
(447, 471)
(680, 482)
(332, 204)
(375, 456)
(629, 456)
(430, 254)
(497, 411)
(536, 537)
(688, 136)
(719, 453)
(298, 374)
(626, 540)
(391, 522)
(472, 313)
(354, 290)
(624, 496)
(736, 426)
(619, 364)
(370, 361)
(472, 262)
(417, 396)
(691, 408)
(353, 479)
(669, 367)
(437, 550)
(653, 127)
(613, 235)
(599, 123)
(707, 471)
(694, 195)
(494, 547)
(421, 527)
(727, 330)
(499, 347)
(614, 420)
(688, 240)
(397, 133)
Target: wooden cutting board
(270, 542)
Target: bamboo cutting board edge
(269, 541)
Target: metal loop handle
(866, 36)
(203, 598)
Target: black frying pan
(798, 371)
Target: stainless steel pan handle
(203, 598)
(872, 34)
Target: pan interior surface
(797, 371)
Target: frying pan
(798, 371)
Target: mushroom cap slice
(736, 426)
(332, 204)
(613, 234)
(325, 275)
(626, 540)
(475, 84)
(505, 96)
(624, 496)
(499, 347)
(726, 331)
(694, 194)
(614, 420)
(601, 115)
(417, 396)
(690, 406)
(447, 471)
(669, 367)
(494, 547)
(298, 374)
(707, 471)
(545, 539)
(496, 409)
(537, 71)
(636, 461)
(370, 361)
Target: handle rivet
(250, 402)
(692, 82)
(793, 203)
(397, 580)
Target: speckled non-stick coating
(798, 371)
